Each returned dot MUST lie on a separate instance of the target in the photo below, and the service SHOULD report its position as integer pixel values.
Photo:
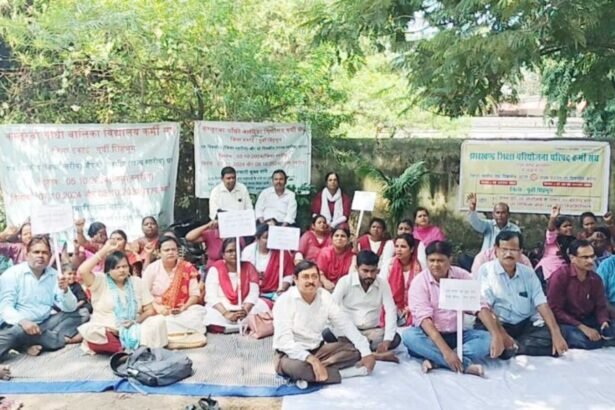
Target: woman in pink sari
(312, 242)
(336, 259)
(423, 230)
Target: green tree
(460, 54)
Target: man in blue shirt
(490, 228)
(514, 294)
(28, 292)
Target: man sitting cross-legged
(362, 295)
(299, 317)
(28, 293)
(514, 293)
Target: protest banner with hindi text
(255, 150)
(114, 173)
(533, 176)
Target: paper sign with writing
(234, 224)
(460, 294)
(282, 237)
(51, 218)
(364, 201)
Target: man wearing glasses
(515, 296)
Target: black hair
(315, 218)
(149, 217)
(442, 247)
(120, 233)
(406, 221)
(261, 230)
(167, 238)
(21, 227)
(68, 267)
(560, 220)
(408, 238)
(379, 221)
(225, 245)
(368, 258)
(507, 236)
(95, 227)
(305, 265)
(419, 209)
(605, 231)
(36, 239)
(280, 171)
(227, 170)
(587, 215)
(113, 259)
(341, 228)
(339, 182)
(573, 248)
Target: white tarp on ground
(580, 380)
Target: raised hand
(555, 212)
(472, 201)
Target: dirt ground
(115, 401)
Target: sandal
(207, 403)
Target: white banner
(255, 150)
(113, 173)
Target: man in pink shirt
(433, 335)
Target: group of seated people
(342, 304)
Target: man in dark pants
(514, 293)
(28, 293)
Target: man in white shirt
(228, 195)
(362, 295)
(299, 317)
(277, 202)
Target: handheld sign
(363, 201)
(52, 219)
(284, 239)
(459, 295)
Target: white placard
(282, 237)
(363, 201)
(51, 218)
(235, 224)
(460, 294)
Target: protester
(83, 301)
(209, 235)
(600, 240)
(299, 318)
(123, 317)
(314, 240)
(514, 293)
(606, 271)
(336, 260)
(16, 251)
(589, 223)
(559, 236)
(362, 295)
(97, 232)
(404, 227)
(433, 336)
(174, 284)
(424, 231)
(149, 240)
(228, 195)
(375, 239)
(577, 297)
(491, 254)
(490, 228)
(332, 203)
(400, 273)
(228, 304)
(28, 293)
(277, 202)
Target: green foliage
(459, 55)
(400, 192)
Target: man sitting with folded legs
(299, 317)
(363, 295)
(514, 293)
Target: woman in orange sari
(174, 284)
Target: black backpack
(152, 367)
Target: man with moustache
(363, 295)
(276, 202)
(28, 292)
(514, 294)
(490, 227)
(299, 317)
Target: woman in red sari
(267, 263)
(174, 284)
(230, 300)
(424, 231)
(332, 203)
(312, 242)
(400, 273)
(335, 260)
(374, 240)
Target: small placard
(51, 218)
(284, 238)
(363, 201)
(234, 224)
(460, 294)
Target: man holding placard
(433, 336)
(514, 293)
(276, 202)
(28, 292)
